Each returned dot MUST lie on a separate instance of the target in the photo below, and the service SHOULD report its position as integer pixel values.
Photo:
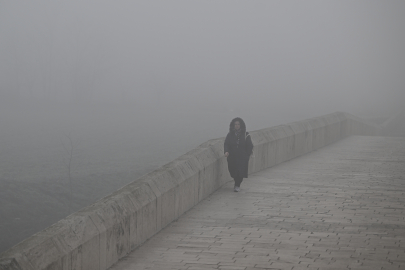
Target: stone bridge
(323, 193)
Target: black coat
(238, 159)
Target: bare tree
(69, 148)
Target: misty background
(94, 94)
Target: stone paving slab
(341, 207)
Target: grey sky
(315, 55)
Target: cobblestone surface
(341, 207)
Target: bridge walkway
(340, 207)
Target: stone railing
(99, 235)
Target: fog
(93, 94)
(312, 56)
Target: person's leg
(236, 187)
(238, 181)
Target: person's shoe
(236, 189)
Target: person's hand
(226, 154)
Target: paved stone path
(341, 207)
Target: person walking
(238, 147)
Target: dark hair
(241, 122)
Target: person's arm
(226, 146)
(249, 145)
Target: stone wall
(99, 235)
